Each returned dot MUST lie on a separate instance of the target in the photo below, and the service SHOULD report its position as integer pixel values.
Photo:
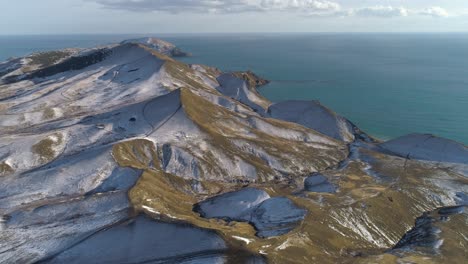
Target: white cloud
(380, 11)
(302, 5)
(308, 7)
(222, 6)
(435, 11)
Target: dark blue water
(388, 84)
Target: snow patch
(246, 240)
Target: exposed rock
(252, 79)
(426, 234)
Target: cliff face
(92, 140)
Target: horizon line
(234, 33)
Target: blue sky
(182, 16)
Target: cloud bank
(381, 11)
(222, 6)
(435, 11)
(310, 7)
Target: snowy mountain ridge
(131, 156)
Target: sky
(18, 17)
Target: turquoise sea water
(387, 84)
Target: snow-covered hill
(160, 46)
(92, 139)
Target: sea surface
(387, 84)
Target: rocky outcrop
(427, 235)
(252, 79)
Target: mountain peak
(160, 46)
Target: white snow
(234, 205)
(159, 45)
(428, 147)
(47, 206)
(144, 240)
(237, 89)
(246, 240)
(313, 115)
(270, 216)
(151, 209)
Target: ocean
(387, 84)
